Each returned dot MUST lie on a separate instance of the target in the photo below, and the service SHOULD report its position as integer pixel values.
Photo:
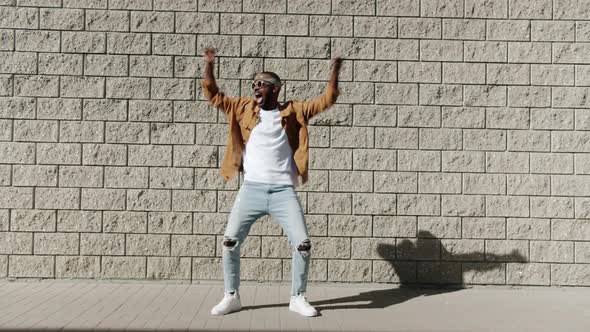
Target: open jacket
(242, 114)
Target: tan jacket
(242, 114)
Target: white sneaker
(229, 303)
(300, 305)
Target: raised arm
(209, 58)
(212, 93)
(328, 98)
(336, 65)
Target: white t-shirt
(268, 157)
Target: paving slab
(73, 305)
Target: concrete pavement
(159, 306)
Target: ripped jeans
(253, 201)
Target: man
(269, 142)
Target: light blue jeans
(253, 201)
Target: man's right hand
(209, 55)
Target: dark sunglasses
(259, 84)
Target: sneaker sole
(301, 313)
(229, 312)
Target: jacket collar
(284, 109)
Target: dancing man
(269, 142)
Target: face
(265, 93)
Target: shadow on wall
(437, 277)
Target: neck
(270, 106)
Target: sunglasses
(259, 84)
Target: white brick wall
(457, 152)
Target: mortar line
(8, 266)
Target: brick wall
(458, 151)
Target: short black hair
(274, 75)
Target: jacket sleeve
(321, 103)
(216, 97)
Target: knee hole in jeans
(229, 244)
(304, 246)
